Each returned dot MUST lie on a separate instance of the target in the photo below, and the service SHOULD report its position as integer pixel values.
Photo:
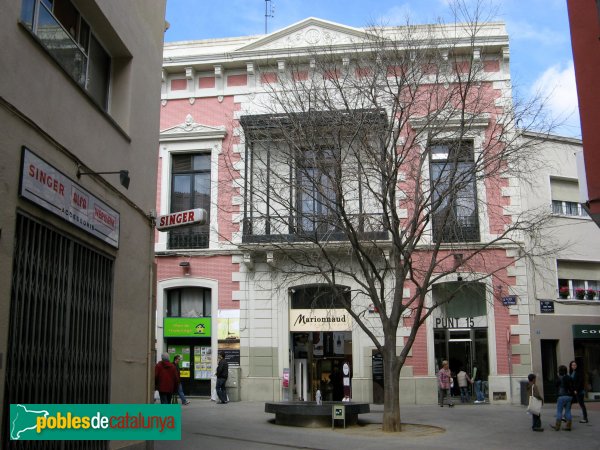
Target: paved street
(245, 425)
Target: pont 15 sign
(180, 218)
(186, 327)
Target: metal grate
(60, 326)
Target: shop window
(320, 297)
(68, 38)
(454, 200)
(190, 188)
(189, 302)
(466, 299)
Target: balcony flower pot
(590, 294)
(579, 294)
(563, 292)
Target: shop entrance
(195, 366)
(464, 349)
(320, 342)
(318, 358)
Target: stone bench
(309, 414)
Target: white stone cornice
(190, 130)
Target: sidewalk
(245, 425)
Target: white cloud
(396, 16)
(557, 86)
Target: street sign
(509, 300)
(181, 218)
(546, 306)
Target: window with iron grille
(69, 39)
(60, 326)
(454, 200)
(316, 197)
(190, 188)
(189, 302)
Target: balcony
(187, 239)
(462, 229)
(311, 228)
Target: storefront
(586, 346)
(461, 330)
(190, 337)
(321, 345)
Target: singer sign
(180, 218)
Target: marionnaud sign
(180, 218)
(49, 188)
(320, 320)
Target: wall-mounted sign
(460, 322)
(320, 320)
(586, 331)
(186, 327)
(547, 306)
(509, 300)
(49, 188)
(180, 218)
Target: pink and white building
(213, 295)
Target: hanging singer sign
(320, 320)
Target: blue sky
(540, 45)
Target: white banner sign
(320, 320)
(52, 190)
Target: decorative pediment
(190, 130)
(309, 32)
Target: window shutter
(564, 190)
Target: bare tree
(385, 163)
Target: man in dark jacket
(166, 379)
(222, 374)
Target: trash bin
(524, 397)
(233, 384)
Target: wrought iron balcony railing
(188, 239)
(310, 228)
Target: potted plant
(563, 292)
(579, 293)
(590, 294)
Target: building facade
(292, 334)
(76, 247)
(584, 22)
(565, 306)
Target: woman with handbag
(535, 402)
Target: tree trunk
(391, 389)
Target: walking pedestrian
(463, 384)
(480, 397)
(444, 377)
(166, 379)
(533, 391)
(578, 388)
(222, 374)
(564, 383)
(176, 362)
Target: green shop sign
(186, 327)
(586, 331)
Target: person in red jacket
(166, 379)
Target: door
(549, 369)
(460, 355)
